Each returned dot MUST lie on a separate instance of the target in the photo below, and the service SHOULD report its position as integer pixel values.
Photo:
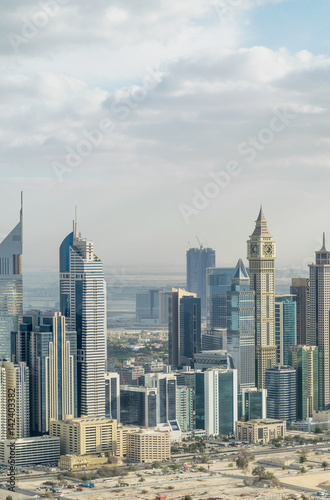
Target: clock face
(268, 249)
(254, 249)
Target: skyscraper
(184, 327)
(216, 401)
(285, 327)
(300, 290)
(138, 406)
(112, 395)
(305, 360)
(83, 302)
(261, 255)
(16, 414)
(218, 283)
(11, 287)
(198, 260)
(280, 382)
(184, 408)
(165, 384)
(252, 404)
(241, 327)
(319, 318)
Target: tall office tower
(261, 255)
(163, 304)
(184, 408)
(11, 287)
(83, 302)
(216, 401)
(165, 384)
(252, 404)
(300, 290)
(214, 340)
(51, 354)
(16, 412)
(280, 382)
(184, 339)
(138, 406)
(112, 395)
(147, 306)
(285, 327)
(319, 318)
(198, 260)
(218, 283)
(241, 327)
(305, 360)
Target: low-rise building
(78, 462)
(86, 435)
(30, 451)
(145, 446)
(260, 430)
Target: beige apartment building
(260, 430)
(86, 435)
(145, 446)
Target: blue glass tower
(285, 327)
(241, 326)
(198, 260)
(218, 284)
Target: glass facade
(198, 260)
(280, 382)
(190, 328)
(217, 285)
(305, 360)
(285, 326)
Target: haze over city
(131, 109)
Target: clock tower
(261, 256)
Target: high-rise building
(305, 360)
(147, 306)
(261, 255)
(241, 327)
(252, 404)
(184, 408)
(216, 401)
(11, 288)
(165, 384)
(300, 290)
(163, 305)
(138, 406)
(83, 303)
(15, 407)
(198, 260)
(285, 327)
(280, 382)
(218, 283)
(184, 327)
(51, 354)
(319, 318)
(112, 395)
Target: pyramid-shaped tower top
(261, 228)
(240, 275)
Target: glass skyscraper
(11, 288)
(241, 327)
(217, 285)
(198, 260)
(51, 354)
(285, 326)
(280, 382)
(184, 327)
(83, 302)
(305, 360)
(216, 401)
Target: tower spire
(75, 227)
(261, 228)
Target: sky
(165, 121)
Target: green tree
(260, 472)
(243, 460)
(156, 465)
(303, 459)
(175, 466)
(141, 480)
(325, 464)
(187, 497)
(318, 430)
(9, 497)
